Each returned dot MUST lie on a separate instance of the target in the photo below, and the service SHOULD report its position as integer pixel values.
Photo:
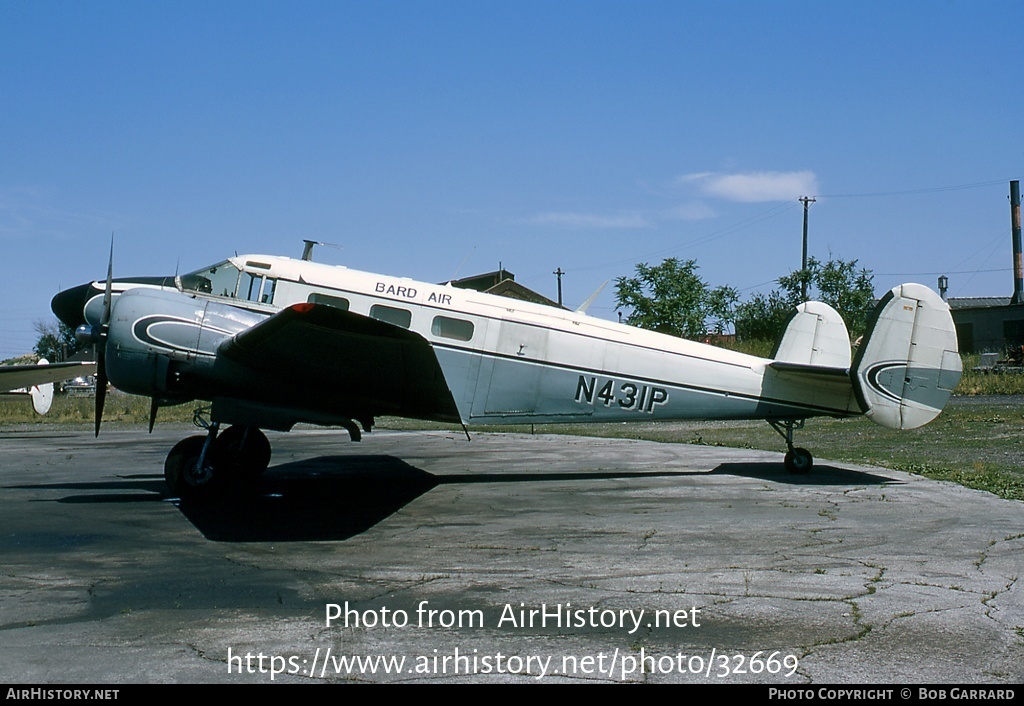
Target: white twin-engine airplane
(273, 341)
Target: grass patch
(976, 382)
(118, 408)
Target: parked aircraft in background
(270, 341)
(37, 381)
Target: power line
(755, 286)
(912, 192)
(941, 272)
(768, 214)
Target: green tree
(56, 341)
(839, 283)
(763, 316)
(672, 298)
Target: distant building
(503, 283)
(987, 324)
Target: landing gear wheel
(184, 475)
(244, 452)
(799, 461)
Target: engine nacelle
(159, 341)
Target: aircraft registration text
(627, 395)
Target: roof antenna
(307, 249)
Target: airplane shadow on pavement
(329, 498)
(334, 498)
(821, 475)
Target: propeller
(101, 345)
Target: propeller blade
(101, 381)
(101, 345)
(107, 294)
(152, 415)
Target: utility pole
(558, 273)
(1018, 257)
(806, 201)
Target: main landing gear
(200, 464)
(797, 461)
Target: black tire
(243, 452)
(799, 461)
(182, 472)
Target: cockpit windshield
(220, 280)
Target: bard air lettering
(396, 290)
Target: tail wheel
(243, 452)
(797, 460)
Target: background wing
(13, 377)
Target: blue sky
(438, 139)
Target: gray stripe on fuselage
(468, 379)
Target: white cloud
(755, 186)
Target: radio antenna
(459, 268)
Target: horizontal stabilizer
(817, 371)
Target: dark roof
(513, 290)
(502, 282)
(482, 283)
(977, 302)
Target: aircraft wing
(369, 367)
(14, 377)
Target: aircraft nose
(69, 305)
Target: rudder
(908, 364)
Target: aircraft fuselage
(504, 360)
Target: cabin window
(391, 315)
(256, 288)
(328, 300)
(249, 286)
(267, 295)
(457, 329)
